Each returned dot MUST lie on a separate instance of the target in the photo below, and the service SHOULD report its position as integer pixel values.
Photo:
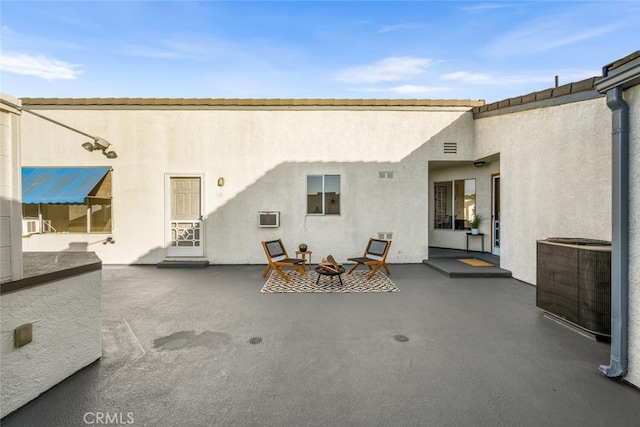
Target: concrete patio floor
(178, 351)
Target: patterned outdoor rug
(354, 282)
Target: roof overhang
(624, 73)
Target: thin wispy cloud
(38, 66)
(467, 77)
(485, 7)
(403, 91)
(19, 40)
(396, 27)
(543, 35)
(194, 47)
(8, 34)
(386, 70)
(539, 76)
(154, 52)
(417, 89)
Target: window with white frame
(323, 194)
(454, 204)
(52, 206)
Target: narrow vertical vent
(450, 148)
(385, 174)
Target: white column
(10, 190)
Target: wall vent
(385, 174)
(269, 219)
(450, 148)
(385, 235)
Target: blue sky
(488, 50)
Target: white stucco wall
(10, 176)
(555, 173)
(66, 336)
(632, 97)
(264, 156)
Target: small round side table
(303, 255)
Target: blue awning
(59, 185)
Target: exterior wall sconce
(100, 144)
(220, 181)
(479, 163)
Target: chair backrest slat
(377, 247)
(275, 248)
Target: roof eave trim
(626, 76)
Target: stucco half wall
(66, 319)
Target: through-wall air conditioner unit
(30, 226)
(269, 219)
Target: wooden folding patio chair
(375, 257)
(278, 258)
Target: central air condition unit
(269, 219)
(573, 281)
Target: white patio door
(495, 214)
(185, 231)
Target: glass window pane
(314, 194)
(29, 210)
(77, 218)
(458, 204)
(332, 184)
(464, 203)
(100, 215)
(469, 201)
(323, 194)
(454, 204)
(332, 194)
(443, 205)
(74, 218)
(57, 216)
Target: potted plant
(303, 247)
(475, 223)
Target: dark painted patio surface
(446, 261)
(178, 352)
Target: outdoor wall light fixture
(220, 181)
(479, 163)
(101, 145)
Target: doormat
(354, 282)
(474, 262)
